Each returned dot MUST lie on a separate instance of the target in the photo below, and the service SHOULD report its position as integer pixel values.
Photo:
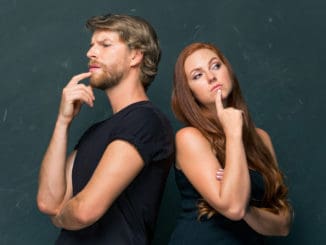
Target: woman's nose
(211, 77)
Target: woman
(231, 188)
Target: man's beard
(106, 79)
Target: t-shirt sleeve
(147, 132)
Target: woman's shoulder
(264, 136)
(190, 136)
(189, 133)
(261, 132)
(189, 130)
(266, 140)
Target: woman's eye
(197, 76)
(216, 66)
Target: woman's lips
(216, 87)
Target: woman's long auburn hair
(190, 111)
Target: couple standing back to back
(108, 190)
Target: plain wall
(277, 49)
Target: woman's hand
(230, 118)
(219, 174)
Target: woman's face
(206, 74)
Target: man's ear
(136, 57)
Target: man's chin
(96, 80)
(101, 84)
(102, 81)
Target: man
(108, 190)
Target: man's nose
(92, 52)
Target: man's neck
(124, 94)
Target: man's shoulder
(146, 111)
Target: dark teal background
(277, 49)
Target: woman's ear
(136, 57)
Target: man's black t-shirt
(131, 218)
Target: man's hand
(73, 96)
